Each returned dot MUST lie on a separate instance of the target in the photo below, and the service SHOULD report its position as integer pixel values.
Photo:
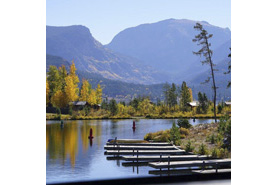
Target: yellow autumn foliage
(71, 89)
(59, 99)
(98, 94)
(85, 91)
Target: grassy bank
(203, 139)
(50, 116)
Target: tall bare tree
(202, 40)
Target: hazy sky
(106, 18)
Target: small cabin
(227, 103)
(193, 104)
(78, 105)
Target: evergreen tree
(175, 134)
(185, 97)
(104, 104)
(166, 91)
(203, 103)
(113, 108)
(229, 70)
(203, 39)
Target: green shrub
(175, 134)
(214, 153)
(184, 131)
(148, 136)
(184, 123)
(189, 147)
(223, 153)
(202, 149)
(211, 138)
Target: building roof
(78, 103)
(194, 103)
(227, 103)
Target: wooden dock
(140, 144)
(144, 152)
(165, 158)
(178, 164)
(134, 147)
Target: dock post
(216, 167)
(203, 165)
(133, 152)
(118, 150)
(160, 157)
(168, 162)
(137, 157)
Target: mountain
(76, 43)
(121, 91)
(167, 45)
(56, 61)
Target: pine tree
(229, 70)
(202, 39)
(203, 103)
(185, 97)
(113, 108)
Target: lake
(71, 157)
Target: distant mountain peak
(76, 42)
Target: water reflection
(71, 155)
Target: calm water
(71, 157)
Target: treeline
(62, 88)
(174, 106)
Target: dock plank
(131, 147)
(177, 164)
(144, 152)
(141, 144)
(165, 158)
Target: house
(227, 103)
(193, 104)
(78, 105)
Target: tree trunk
(213, 80)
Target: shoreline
(68, 117)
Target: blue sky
(106, 18)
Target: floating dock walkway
(134, 147)
(166, 158)
(144, 152)
(178, 164)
